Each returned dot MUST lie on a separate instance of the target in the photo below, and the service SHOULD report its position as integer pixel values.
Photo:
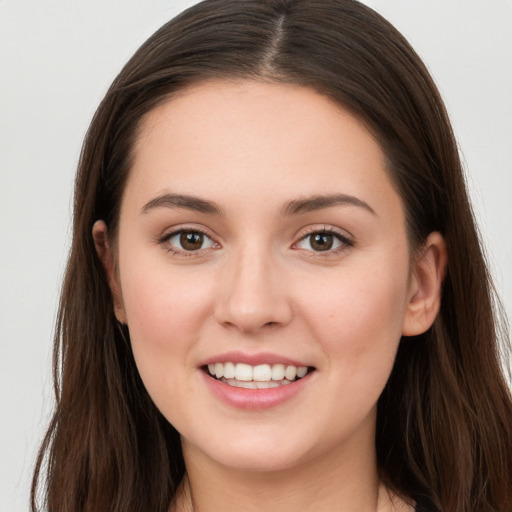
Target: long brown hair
(444, 425)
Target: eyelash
(346, 242)
(164, 240)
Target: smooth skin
(252, 264)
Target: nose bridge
(253, 295)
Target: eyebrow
(319, 202)
(295, 207)
(182, 201)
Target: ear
(428, 273)
(105, 254)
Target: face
(261, 239)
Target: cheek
(165, 315)
(358, 318)
(164, 311)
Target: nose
(252, 294)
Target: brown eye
(324, 241)
(189, 241)
(321, 241)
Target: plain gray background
(57, 58)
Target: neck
(345, 479)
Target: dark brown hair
(444, 426)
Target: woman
(276, 298)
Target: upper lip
(253, 359)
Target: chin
(261, 462)
(252, 453)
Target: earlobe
(105, 254)
(427, 278)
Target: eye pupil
(321, 241)
(191, 240)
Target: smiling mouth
(261, 376)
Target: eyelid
(176, 230)
(343, 236)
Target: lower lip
(255, 399)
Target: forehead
(248, 140)
(220, 112)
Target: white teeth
(301, 371)
(269, 384)
(263, 373)
(247, 385)
(229, 370)
(278, 372)
(219, 370)
(253, 384)
(290, 372)
(242, 371)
